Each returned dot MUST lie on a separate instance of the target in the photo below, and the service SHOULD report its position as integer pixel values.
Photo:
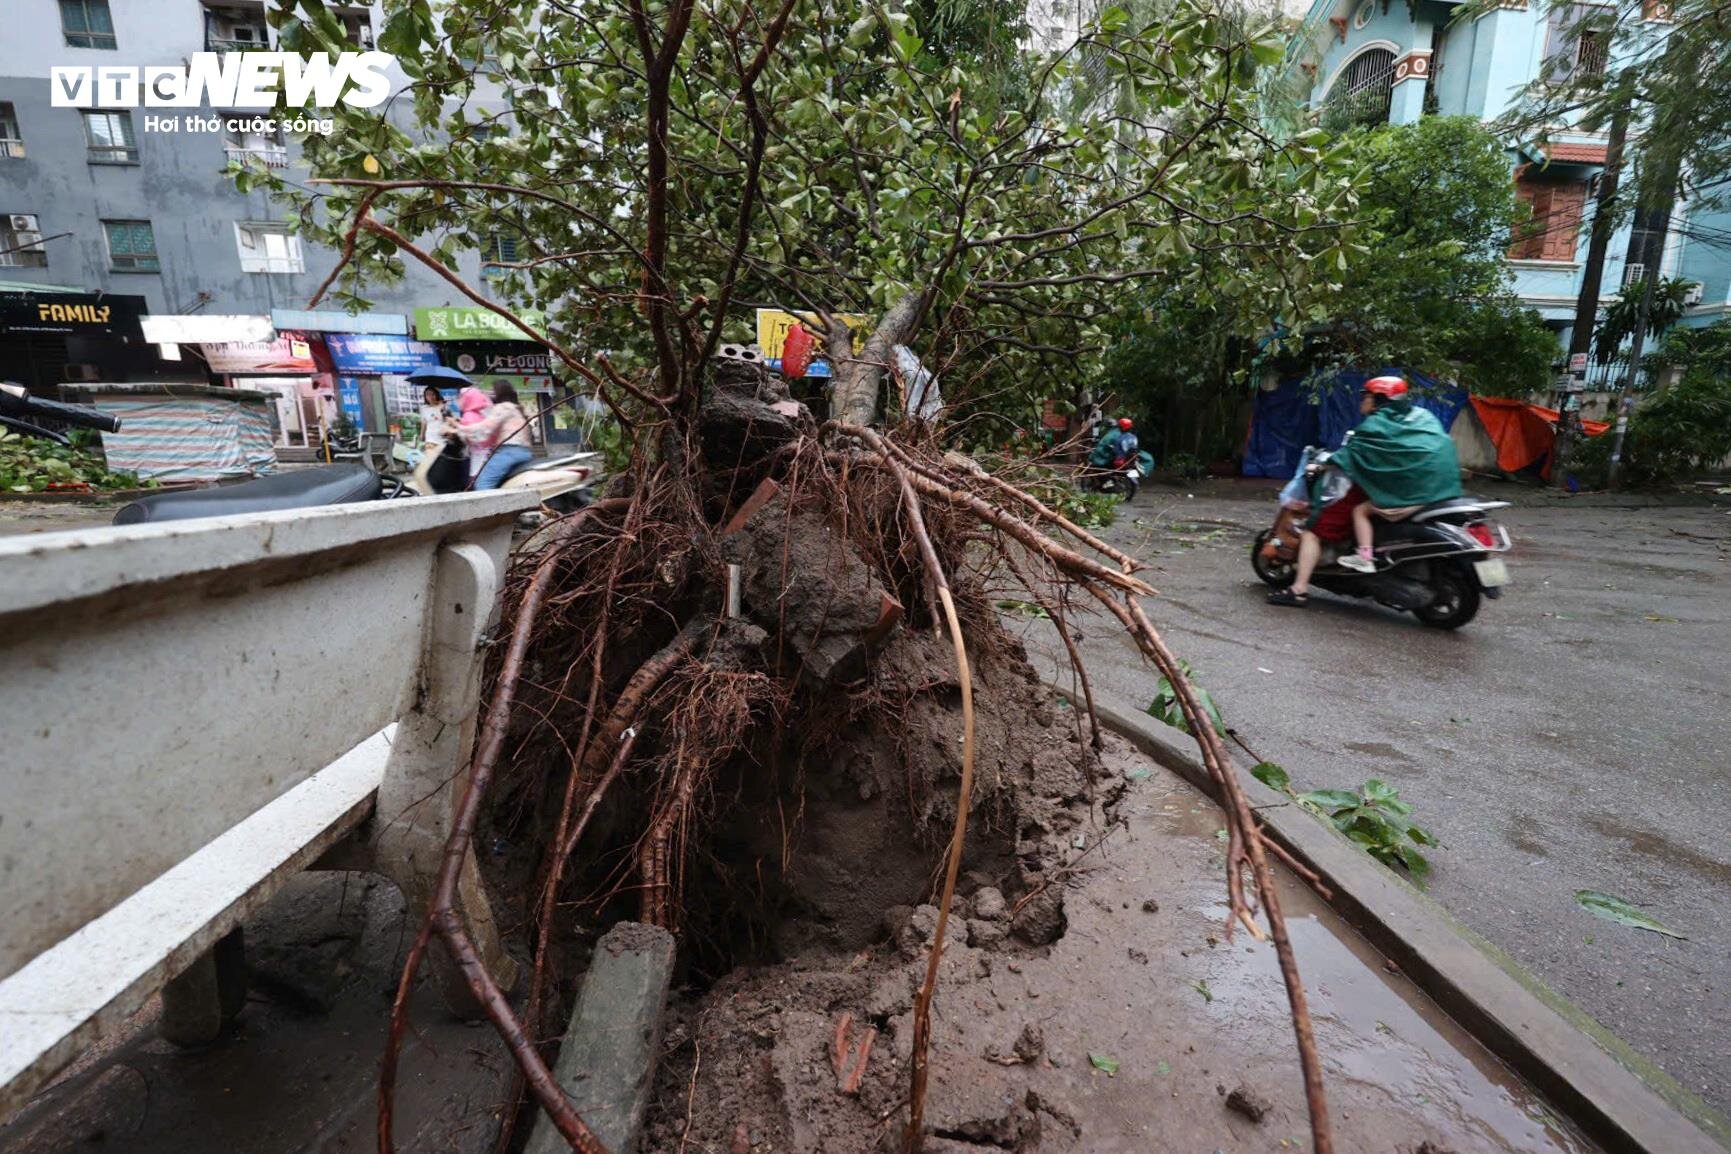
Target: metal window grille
(87, 24)
(109, 137)
(131, 246)
(1362, 94)
(1592, 52)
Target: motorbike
(20, 412)
(1125, 476)
(1438, 564)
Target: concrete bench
(191, 712)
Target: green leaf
(1331, 799)
(1378, 790)
(1104, 1062)
(1615, 909)
(1201, 987)
(1272, 775)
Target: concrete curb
(1617, 1098)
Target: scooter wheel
(1274, 574)
(1456, 601)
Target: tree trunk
(858, 377)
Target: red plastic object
(796, 353)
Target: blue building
(1394, 61)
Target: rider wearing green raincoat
(1402, 458)
(1400, 454)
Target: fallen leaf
(1161, 1067)
(1615, 909)
(1104, 1062)
(1201, 987)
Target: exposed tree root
(630, 656)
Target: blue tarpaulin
(1322, 411)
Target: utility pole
(1654, 209)
(1587, 301)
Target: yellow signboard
(773, 326)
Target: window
(359, 28)
(21, 241)
(268, 246)
(1577, 43)
(87, 24)
(1555, 224)
(501, 249)
(131, 246)
(108, 134)
(1362, 92)
(11, 140)
(1592, 50)
(266, 148)
(234, 29)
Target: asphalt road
(1577, 735)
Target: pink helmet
(1386, 386)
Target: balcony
(11, 149)
(237, 40)
(267, 155)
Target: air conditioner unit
(1692, 296)
(1634, 274)
(22, 222)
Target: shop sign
(471, 324)
(349, 399)
(288, 353)
(525, 363)
(377, 353)
(330, 321)
(773, 326)
(71, 314)
(205, 328)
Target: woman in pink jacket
(472, 406)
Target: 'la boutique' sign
(462, 324)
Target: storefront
(316, 325)
(489, 349)
(49, 336)
(283, 367)
(373, 390)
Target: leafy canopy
(839, 162)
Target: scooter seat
(1461, 504)
(338, 484)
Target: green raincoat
(1400, 455)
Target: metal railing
(269, 155)
(12, 148)
(214, 43)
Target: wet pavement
(1576, 736)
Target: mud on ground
(1120, 1021)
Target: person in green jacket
(1402, 458)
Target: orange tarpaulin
(1523, 433)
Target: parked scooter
(1436, 564)
(565, 483)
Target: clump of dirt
(766, 1051)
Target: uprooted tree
(664, 167)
